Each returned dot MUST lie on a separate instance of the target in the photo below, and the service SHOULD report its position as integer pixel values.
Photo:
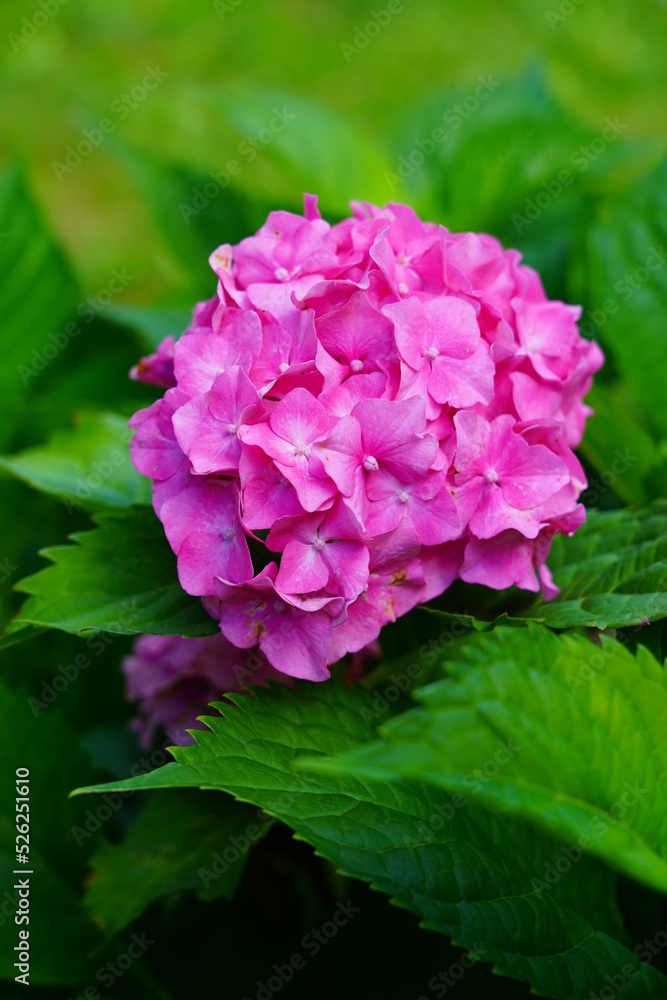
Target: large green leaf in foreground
(565, 734)
(120, 577)
(462, 870)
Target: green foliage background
(563, 69)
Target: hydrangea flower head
(361, 414)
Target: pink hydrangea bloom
(361, 414)
(174, 679)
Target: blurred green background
(604, 59)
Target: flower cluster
(174, 679)
(362, 413)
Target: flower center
(356, 366)
(281, 274)
(232, 428)
(300, 450)
(319, 544)
(403, 496)
(491, 476)
(283, 366)
(228, 534)
(432, 353)
(370, 463)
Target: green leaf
(180, 841)
(619, 448)
(120, 577)
(612, 572)
(37, 294)
(505, 141)
(50, 751)
(463, 871)
(87, 466)
(627, 288)
(550, 728)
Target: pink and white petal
(341, 454)
(410, 328)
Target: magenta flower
(294, 427)
(255, 613)
(502, 481)
(378, 435)
(207, 426)
(174, 680)
(440, 341)
(378, 407)
(321, 552)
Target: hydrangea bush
(362, 413)
(363, 416)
